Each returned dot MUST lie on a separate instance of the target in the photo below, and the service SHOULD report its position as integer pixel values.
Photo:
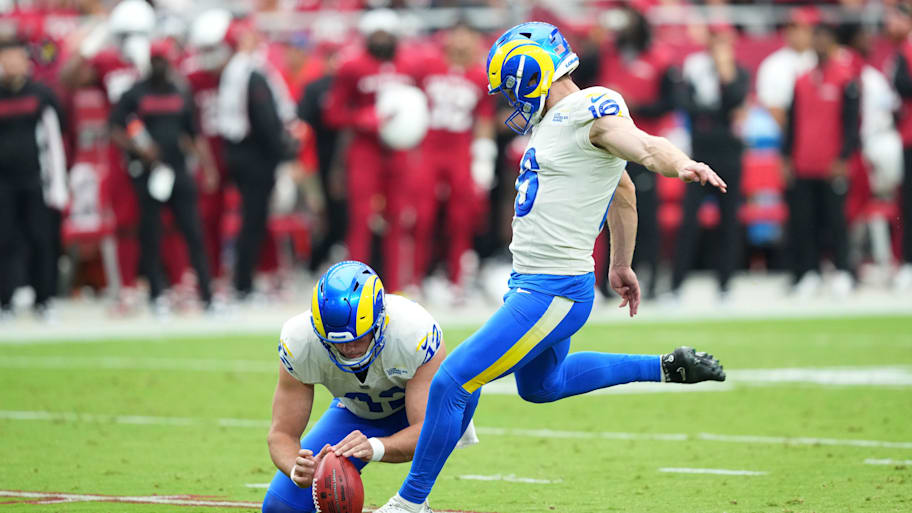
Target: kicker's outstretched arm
(620, 137)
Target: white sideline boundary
(886, 461)
(489, 431)
(754, 297)
(887, 375)
(715, 471)
(509, 478)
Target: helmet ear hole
(533, 79)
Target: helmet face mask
(523, 64)
(349, 304)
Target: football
(337, 486)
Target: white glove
(56, 195)
(285, 193)
(484, 159)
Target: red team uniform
(457, 97)
(376, 175)
(204, 87)
(92, 147)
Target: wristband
(378, 448)
(295, 467)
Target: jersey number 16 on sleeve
(608, 107)
(526, 184)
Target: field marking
(257, 485)
(510, 478)
(173, 500)
(170, 500)
(131, 419)
(887, 461)
(138, 363)
(678, 437)
(716, 471)
(885, 375)
(492, 431)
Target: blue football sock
(545, 380)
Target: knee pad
(272, 503)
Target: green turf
(595, 474)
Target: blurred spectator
(778, 72)
(378, 177)
(713, 91)
(899, 28)
(154, 123)
(32, 176)
(459, 153)
(822, 134)
(641, 70)
(878, 171)
(111, 56)
(254, 108)
(326, 138)
(203, 70)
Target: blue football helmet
(522, 65)
(349, 303)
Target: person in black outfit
(32, 176)
(310, 110)
(640, 68)
(159, 110)
(256, 142)
(714, 87)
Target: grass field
(188, 417)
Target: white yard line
(130, 419)
(510, 478)
(491, 431)
(875, 461)
(139, 363)
(257, 485)
(717, 471)
(677, 437)
(883, 375)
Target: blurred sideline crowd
(184, 158)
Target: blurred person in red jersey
(876, 171)
(822, 134)
(329, 34)
(378, 176)
(459, 153)
(203, 68)
(107, 59)
(154, 124)
(713, 91)
(32, 176)
(641, 70)
(899, 28)
(254, 116)
(777, 73)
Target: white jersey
(777, 75)
(565, 186)
(412, 338)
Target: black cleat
(685, 365)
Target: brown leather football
(337, 486)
